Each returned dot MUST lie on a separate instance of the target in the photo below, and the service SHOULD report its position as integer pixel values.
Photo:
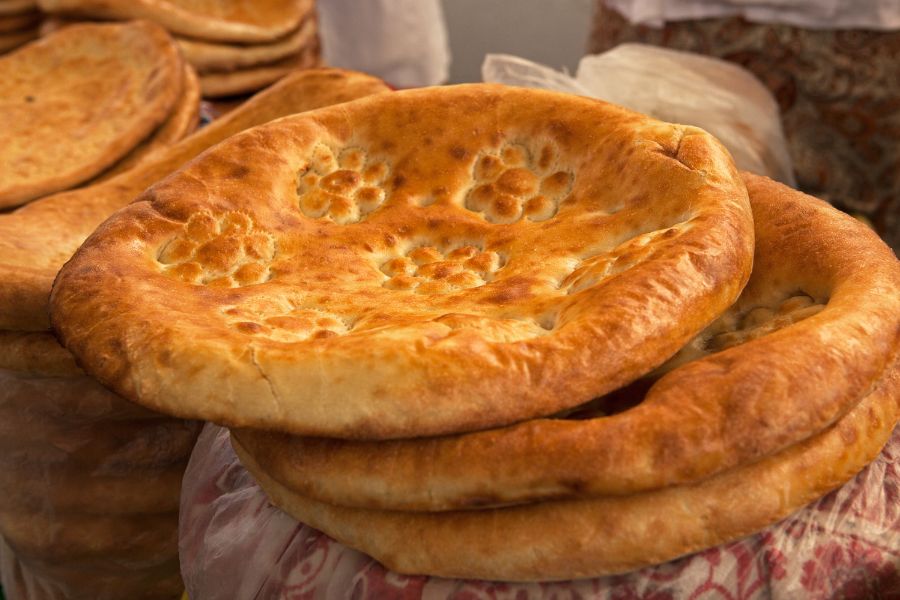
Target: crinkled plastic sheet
(234, 544)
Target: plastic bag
(234, 544)
(679, 87)
(90, 484)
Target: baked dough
(76, 101)
(16, 7)
(14, 39)
(244, 81)
(214, 20)
(819, 320)
(18, 23)
(181, 122)
(572, 539)
(38, 238)
(209, 57)
(409, 264)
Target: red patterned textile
(839, 93)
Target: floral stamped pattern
(342, 187)
(513, 184)
(224, 251)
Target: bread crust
(792, 377)
(210, 57)
(38, 238)
(17, 7)
(112, 85)
(182, 121)
(639, 235)
(572, 539)
(213, 20)
(250, 79)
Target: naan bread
(181, 122)
(37, 239)
(572, 539)
(244, 81)
(208, 57)
(813, 330)
(18, 23)
(17, 7)
(213, 20)
(14, 39)
(76, 101)
(415, 263)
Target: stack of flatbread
(90, 480)
(498, 333)
(88, 102)
(237, 46)
(20, 22)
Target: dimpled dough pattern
(491, 253)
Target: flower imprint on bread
(344, 187)
(512, 183)
(430, 270)
(285, 321)
(761, 320)
(224, 251)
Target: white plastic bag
(679, 87)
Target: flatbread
(37, 239)
(211, 57)
(17, 23)
(16, 7)
(819, 276)
(181, 122)
(409, 264)
(213, 20)
(111, 86)
(244, 81)
(89, 579)
(14, 39)
(572, 539)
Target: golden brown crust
(35, 352)
(208, 57)
(17, 7)
(14, 39)
(19, 23)
(721, 411)
(214, 20)
(571, 539)
(115, 82)
(38, 238)
(103, 579)
(181, 122)
(244, 81)
(474, 255)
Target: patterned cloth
(839, 93)
(234, 544)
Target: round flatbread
(572, 539)
(813, 330)
(409, 264)
(38, 238)
(12, 40)
(181, 122)
(209, 57)
(213, 20)
(18, 23)
(17, 7)
(78, 100)
(244, 81)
